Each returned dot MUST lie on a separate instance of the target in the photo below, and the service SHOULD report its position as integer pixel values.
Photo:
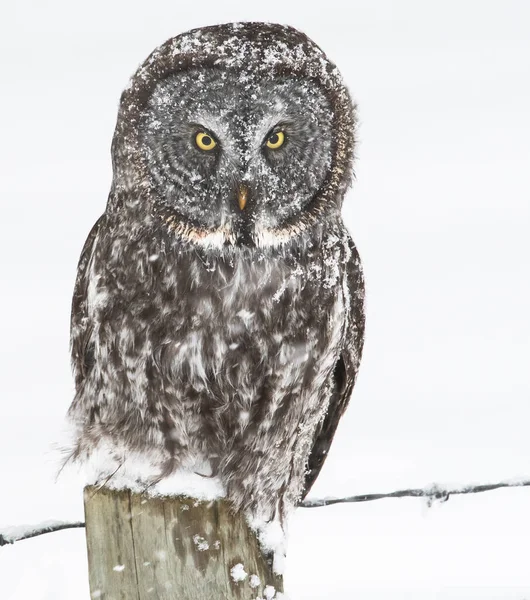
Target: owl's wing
(80, 326)
(345, 371)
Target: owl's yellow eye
(275, 140)
(205, 141)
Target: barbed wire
(433, 493)
(11, 535)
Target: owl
(217, 318)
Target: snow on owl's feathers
(218, 309)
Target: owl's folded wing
(80, 326)
(345, 371)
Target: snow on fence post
(145, 548)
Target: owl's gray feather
(206, 333)
(345, 372)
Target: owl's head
(235, 134)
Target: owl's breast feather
(212, 329)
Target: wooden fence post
(172, 548)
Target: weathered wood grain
(143, 548)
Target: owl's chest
(227, 321)
(218, 321)
(251, 299)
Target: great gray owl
(218, 308)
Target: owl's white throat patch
(206, 238)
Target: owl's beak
(242, 196)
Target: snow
(254, 581)
(273, 540)
(440, 213)
(200, 543)
(18, 532)
(134, 471)
(238, 573)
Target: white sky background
(441, 215)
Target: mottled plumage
(206, 336)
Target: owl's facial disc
(233, 153)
